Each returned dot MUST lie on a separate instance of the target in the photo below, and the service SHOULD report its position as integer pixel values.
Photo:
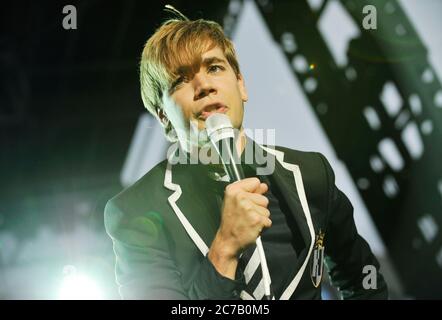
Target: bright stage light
(79, 287)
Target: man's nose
(203, 86)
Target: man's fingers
(263, 188)
(247, 184)
(267, 223)
(262, 211)
(252, 185)
(258, 199)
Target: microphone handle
(230, 159)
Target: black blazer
(163, 225)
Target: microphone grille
(218, 125)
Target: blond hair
(177, 42)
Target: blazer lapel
(285, 180)
(289, 180)
(195, 207)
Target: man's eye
(215, 68)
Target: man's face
(213, 88)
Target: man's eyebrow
(182, 70)
(209, 60)
(205, 62)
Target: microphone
(221, 134)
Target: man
(183, 232)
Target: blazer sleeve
(347, 253)
(145, 269)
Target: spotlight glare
(79, 287)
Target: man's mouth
(211, 108)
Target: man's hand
(244, 215)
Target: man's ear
(242, 88)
